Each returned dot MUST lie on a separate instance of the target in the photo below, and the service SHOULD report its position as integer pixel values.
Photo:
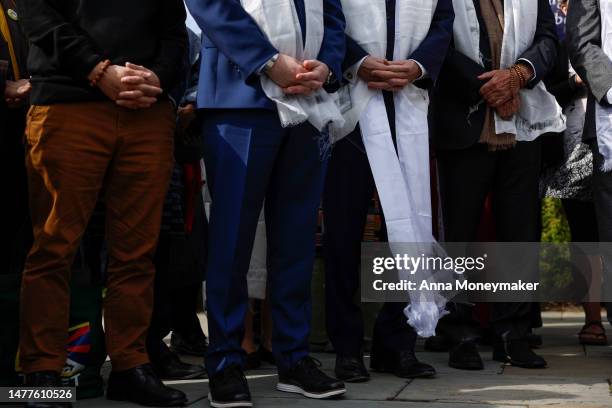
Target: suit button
(349, 76)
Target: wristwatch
(270, 63)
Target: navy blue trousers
(251, 158)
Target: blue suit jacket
(432, 51)
(234, 49)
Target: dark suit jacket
(234, 49)
(560, 83)
(583, 30)
(452, 125)
(430, 53)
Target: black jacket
(69, 37)
(452, 125)
(560, 83)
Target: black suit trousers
(467, 177)
(347, 196)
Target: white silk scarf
(402, 176)
(540, 113)
(278, 19)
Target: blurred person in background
(180, 257)
(589, 42)
(258, 321)
(571, 181)
(15, 88)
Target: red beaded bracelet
(100, 73)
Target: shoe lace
(234, 372)
(312, 366)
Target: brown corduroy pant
(75, 152)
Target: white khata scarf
(604, 113)
(540, 113)
(402, 176)
(279, 20)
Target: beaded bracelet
(512, 80)
(521, 74)
(94, 82)
(521, 77)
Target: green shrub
(554, 224)
(555, 261)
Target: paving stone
(348, 403)
(510, 389)
(577, 377)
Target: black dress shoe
(252, 361)
(192, 344)
(403, 364)
(142, 386)
(465, 356)
(229, 389)
(266, 355)
(169, 366)
(534, 340)
(351, 369)
(517, 353)
(45, 379)
(307, 379)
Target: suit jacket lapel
(301, 12)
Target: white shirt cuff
(424, 72)
(351, 74)
(262, 69)
(535, 73)
(609, 96)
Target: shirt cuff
(424, 72)
(609, 96)
(351, 74)
(261, 69)
(535, 73)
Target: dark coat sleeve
(584, 45)
(433, 49)
(45, 25)
(560, 83)
(543, 52)
(234, 32)
(334, 45)
(354, 53)
(459, 75)
(173, 43)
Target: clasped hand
(386, 75)
(131, 86)
(298, 77)
(16, 92)
(501, 92)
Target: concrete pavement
(576, 377)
